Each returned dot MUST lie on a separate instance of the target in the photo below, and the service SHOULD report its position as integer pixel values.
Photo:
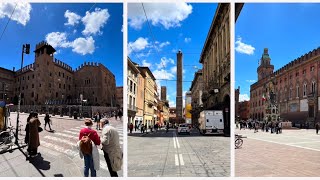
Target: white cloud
(72, 17)
(94, 21)
(146, 64)
(21, 11)
(251, 81)
(57, 39)
(164, 62)
(243, 97)
(244, 48)
(172, 104)
(166, 14)
(80, 45)
(164, 44)
(162, 74)
(173, 69)
(138, 45)
(83, 45)
(187, 40)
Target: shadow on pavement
(170, 133)
(38, 162)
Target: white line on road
(284, 144)
(181, 160)
(176, 159)
(66, 135)
(70, 132)
(174, 142)
(178, 145)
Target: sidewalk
(14, 164)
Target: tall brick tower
(163, 93)
(179, 101)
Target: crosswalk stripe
(75, 133)
(66, 135)
(70, 152)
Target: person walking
(131, 128)
(34, 140)
(142, 128)
(47, 121)
(87, 145)
(111, 148)
(120, 114)
(317, 127)
(135, 127)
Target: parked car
(184, 128)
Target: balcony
(132, 107)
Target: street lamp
(25, 49)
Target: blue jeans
(88, 164)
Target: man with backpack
(87, 144)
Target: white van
(211, 122)
(184, 128)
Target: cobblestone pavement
(59, 155)
(161, 154)
(294, 153)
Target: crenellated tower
(265, 69)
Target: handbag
(40, 129)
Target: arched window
(313, 87)
(304, 89)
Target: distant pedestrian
(47, 121)
(142, 128)
(87, 145)
(135, 127)
(111, 148)
(34, 140)
(120, 114)
(317, 127)
(131, 127)
(97, 118)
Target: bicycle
(238, 140)
(7, 138)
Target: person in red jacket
(93, 135)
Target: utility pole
(25, 49)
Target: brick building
(244, 110)
(295, 86)
(196, 93)
(51, 81)
(236, 103)
(6, 85)
(119, 96)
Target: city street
(292, 153)
(161, 154)
(59, 154)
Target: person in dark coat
(47, 121)
(317, 127)
(34, 140)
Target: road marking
(285, 144)
(70, 152)
(66, 135)
(181, 160)
(174, 142)
(70, 132)
(176, 159)
(178, 145)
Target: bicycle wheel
(4, 137)
(238, 143)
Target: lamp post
(25, 49)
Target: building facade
(294, 88)
(7, 84)
(52, 82)
(196, 94)
(236, 103)
(149, 96)
(188, 108)
(215, 58)
(119, 96)
(132, 75)
(244, 110)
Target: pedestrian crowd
(272, 126)
(88, 144)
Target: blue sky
(287, 30)
(79, 32)
(176, 26)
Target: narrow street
(161, 154)
(59, 154)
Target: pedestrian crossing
(65, 142)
